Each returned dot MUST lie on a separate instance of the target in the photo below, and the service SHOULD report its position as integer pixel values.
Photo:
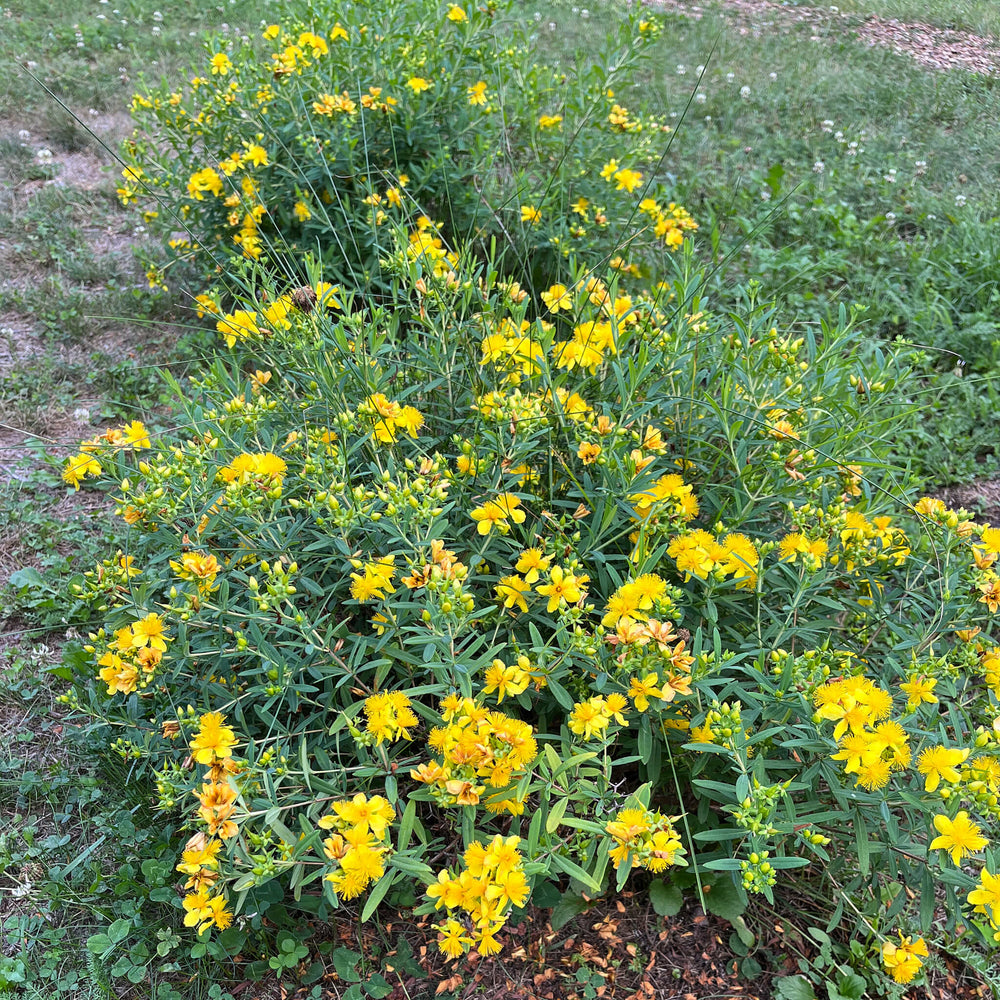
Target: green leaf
(27, 577)
(566, 909)
(406, 825)
(743, 932)
(555, 816)
(378, 986)
(667, 900)
(723, 865)
(794, 988)
(377, 894)
(572, 869)
(724, 900)
(346, 964)
(572, 762)
(850, 986)
(120, 930)
(99, 943)
(560, 694)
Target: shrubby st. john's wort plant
(479, 581)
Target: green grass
(836, 173)
(91, 56)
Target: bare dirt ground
(935, 48)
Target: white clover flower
(890, 217)
(681, 69)
(818, 167)
(730, 77)
(700, 98)
(745, 92)
(44, 155)
(772, 76)
(765, 194)
(960, 200)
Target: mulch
(618, 949)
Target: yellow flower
(511, 590)
(562, 586)
(628, 180)
(918, 690)
(389, 716)
(589, 718)
(477, 93)
(530, 214)
(986, 896)
(257, 155)
(453, 940)
(901, 960)
(418, 84)
(238, 325)
(506, 680)
(531, 563)
(549, 121)
(640, 691)
(221, 64)
(936, 763)
(148, 631)
(456, 14)
(558, 297)
(135, 435)
(79, 467)
(496, 512)
(959, 836)
(214, 741)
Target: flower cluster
(477, 749)
(359, 844)
(479, 897)
(211, 747)
(133, 436)
(129, 660)
(644, 838)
